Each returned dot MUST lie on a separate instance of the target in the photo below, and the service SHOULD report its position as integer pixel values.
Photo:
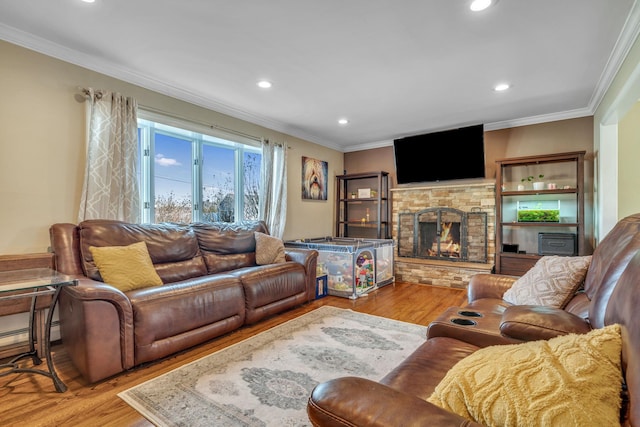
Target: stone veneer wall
(464, 197)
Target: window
(186, 175)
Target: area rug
(267, 379)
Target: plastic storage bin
(353, 266)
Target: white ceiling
(393, 67)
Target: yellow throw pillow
(126, 267)
(551, 282)
(269, 249)
(572, 380)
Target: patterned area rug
(266, 380)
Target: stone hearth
(465, 197)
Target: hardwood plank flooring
(31, 400)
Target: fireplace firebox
(443, 233)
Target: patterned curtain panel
(273, 189)
(110, 189)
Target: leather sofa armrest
(532, 322)
(309, 259)
(96, 325)
(489, 286)
(89, 289)
(92, 290)
(302, 256)
(351, 401)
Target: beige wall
(552, 137)
(629, 162)
(616, 146)
(42, 148)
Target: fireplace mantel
(440, 185)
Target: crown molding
(542, 118)
(102, 66)
(505, 124)
(625, 41)
(627, 38)
(368, 146)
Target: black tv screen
(440, 156)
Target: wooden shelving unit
(363, 208)
(565, 173)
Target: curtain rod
(86, 92)
(196, 122)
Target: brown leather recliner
(400, 397)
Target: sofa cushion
(178, 315)
(572, 380)
(173, 248)
(126, 267)
(227, 246)
(269, 289)
(420, 373)
(269, 249)
(551, 282)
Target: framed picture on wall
(314, 179)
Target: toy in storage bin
(353, 266)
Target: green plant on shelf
(539, 215)
(531, 178)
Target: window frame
(150, 122)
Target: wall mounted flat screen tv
(440, 156)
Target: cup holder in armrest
(463, 322)
(469, 313)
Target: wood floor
(31, 400)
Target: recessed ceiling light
(264, 84)
(88, 1)
(343, 122)
(478, 5)
(501, 87)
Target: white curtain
(110, 189)
(273, 187)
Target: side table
(33, 283)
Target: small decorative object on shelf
(537, 185)
(364, 193)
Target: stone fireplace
(444, 234)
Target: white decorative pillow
(551, 282)
(269, 249)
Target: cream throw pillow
(126, 267)
(572, 380)
(551, 282)
(269, 249)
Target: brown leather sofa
(611, 295)
(211, 286)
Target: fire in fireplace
(443, 233)
(440, 239)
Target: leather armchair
(400, 397)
